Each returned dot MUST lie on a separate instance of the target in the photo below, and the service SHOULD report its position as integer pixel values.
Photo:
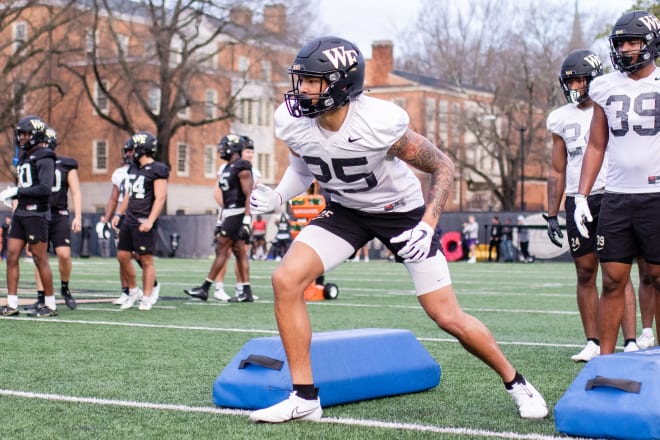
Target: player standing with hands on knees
(626, 124)
(359, 149)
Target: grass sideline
(97, 372)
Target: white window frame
(154, 99)
(210, 103)
(97, 145)
(122, 44)
(19, 34)
(101, 99)
(182, 162)
(210, 159)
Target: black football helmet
(337, 61)
(232, 143)
(635, 25)
(125, 149)
(35, 127)
(580, 63)
(248, 144)
(51, 138)
(144, 144)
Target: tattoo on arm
(420, 153)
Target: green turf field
(101, 373)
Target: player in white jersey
(569, 126)
(358, 148)
(626, 122)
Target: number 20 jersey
(633, 114)
(352, 164)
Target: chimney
(382, 61)
(275, 18)
(241, 16)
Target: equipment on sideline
(348, 366)
(614, 396)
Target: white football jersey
(633, 114)
(572, 124)
(117, 178)
(352, 164)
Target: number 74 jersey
(352, 164)
(633, 115)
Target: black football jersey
(36, 171)
(140, 186)
(59, 196)
(230, 184)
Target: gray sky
(366, 21)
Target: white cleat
(531, 404)
(155, 292)
(221, 295)
(590, 351)
(630, 347)
(121, 300)
(131, 300)
(293, 408)
(146, 302)
(646, 339)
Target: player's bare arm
(420, 153)
(595, 153)
(245, 177)
(557, 177)
(76, 196)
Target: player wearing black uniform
(29, 225)
(59, 230)
(233, 232)
(146, 186)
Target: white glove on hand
(7, 194)
(418, 243)
(582, 215)
(264, 199)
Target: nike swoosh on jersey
(351, 140)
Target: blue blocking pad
(348, 366)
(614, 396)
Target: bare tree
(504, 56)
(26, 54)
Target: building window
(122, 45)
(443, 126)
(430, 118)
(91, 42)
(20, 34)
(209, 161)
(100, 98)
(210, 104)
(266, 70)
(100, 156)
(264, 165)
(182, 166)
(184, 108)
(154, 99)
(243, 63)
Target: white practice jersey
(633, 114)
(117, 178)
(572, 124)
(352, 164)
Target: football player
(137, 219)
(626, 123)
(569, 126)
(29, 224)
(59, 230)
(358, 148)
(233, 231)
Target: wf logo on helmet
(338, 55)
(651, 22)
(37, 124)
(593, 60)
(140, 138)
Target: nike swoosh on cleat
(296, 414)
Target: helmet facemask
(574, 96)
(631, 61)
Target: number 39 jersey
(352, 164)
(572, 124)
(633, 114)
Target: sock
(219, 285)
(207, 283)
(12, 301)
(518, 378)
(628, 341)
(65, 285)
(40, 296)
(124, 290)
(647, 331)
(239, 287)
(50, 302)
(133, 291)
(155, 282)
(594, 340)
(307, 392)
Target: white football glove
(418, 243)
(7, 194)
(582, 215)
(264, 199)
